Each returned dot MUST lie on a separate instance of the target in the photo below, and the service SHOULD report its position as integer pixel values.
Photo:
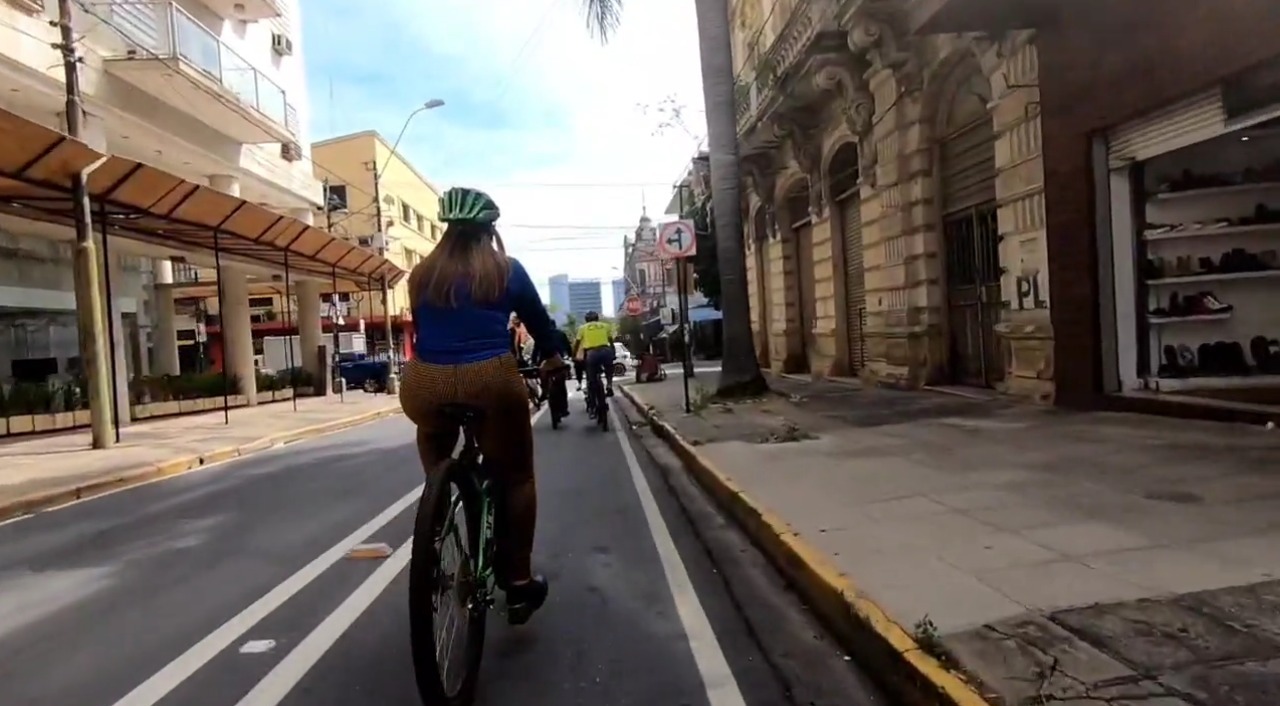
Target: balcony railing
(769, 57)
(164, 31)
(186, 273)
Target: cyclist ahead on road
(595, 339)
(462, 296)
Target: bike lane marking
(180, 669)
(717, 677)
(291, 670)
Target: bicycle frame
(482, 564)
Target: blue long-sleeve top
(471, 332)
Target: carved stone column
(904, 331)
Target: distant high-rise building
(584, 296)
(619, 292)
(559, 297)
(575, 296)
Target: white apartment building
(211, 91)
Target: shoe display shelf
(1211, 382)
(1212, 282)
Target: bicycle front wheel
(447, 606)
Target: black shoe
(608, 392)
(525, 599)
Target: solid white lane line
(294, 667)
(167, 679)
(722, 687)
(280, 681)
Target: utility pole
(333, 298)
(392, 378)
(90, 314)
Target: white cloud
(574, 108)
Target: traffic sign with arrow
(677, 239)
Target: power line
(573, 248)
(545, 226)
(321, 167)
(587, 185)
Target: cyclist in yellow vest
(595, 340)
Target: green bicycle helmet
(463, 204)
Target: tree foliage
(706, 264)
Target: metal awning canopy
(262, 288)
(143, 203)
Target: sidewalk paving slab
(1053, 556)
(37, 472)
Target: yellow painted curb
(124, 479)
(882, 647)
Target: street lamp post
(393, 380)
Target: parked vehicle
(622, 360)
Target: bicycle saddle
(462, 414)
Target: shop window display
(1207, 225)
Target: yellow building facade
(894, 198)
(358, 168)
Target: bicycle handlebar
(536, 371)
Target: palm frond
(603, 17)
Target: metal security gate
(1199, 118)
(971, 237)
(855, 287)
(805, 288)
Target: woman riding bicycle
(462, 296)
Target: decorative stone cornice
(992, 53)
(803, 136)
(877, 28)
(845, 75)
(761, 176)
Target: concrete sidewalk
(1051, 556)
(43, 470)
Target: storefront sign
(1029, 293)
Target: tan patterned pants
(505, 438)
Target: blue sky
(537, 112)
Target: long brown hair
(469, 254)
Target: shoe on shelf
(1211, 304)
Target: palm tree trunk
(740, 371)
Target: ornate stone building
(894, 203)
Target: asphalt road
(231, 586)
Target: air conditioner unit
(365, 241)
(281, 44)
(290, 151)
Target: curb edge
(881, 646)
(46, 500)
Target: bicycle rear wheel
(602, 412)
(448, 522)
